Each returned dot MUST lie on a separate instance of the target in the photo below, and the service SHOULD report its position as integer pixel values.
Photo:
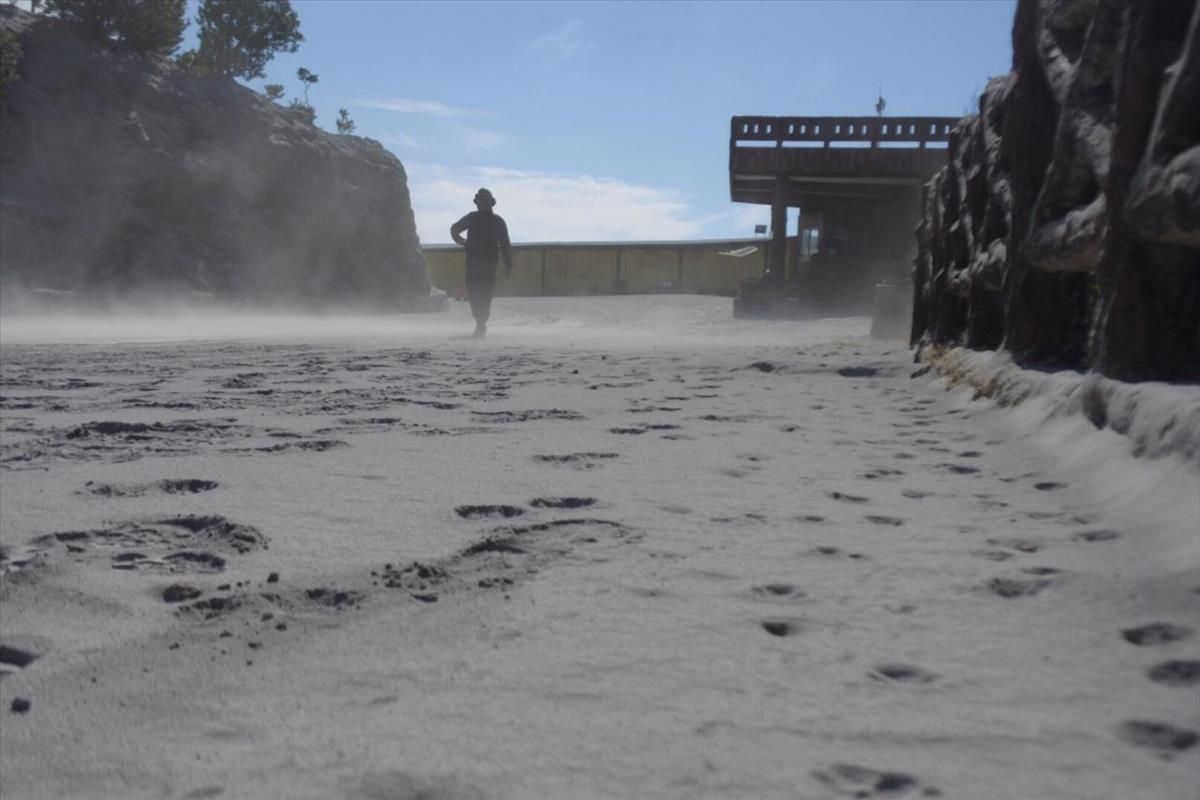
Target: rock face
(1066, 227)
(124, 177)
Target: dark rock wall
(1066, 227)
(122, 177)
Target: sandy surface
(626, 547)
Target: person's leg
(485, 302)
(483, 287)
(475, 298)
(475, 295)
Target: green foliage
(187, 62)
(308, 79)
(273, 91)
(239, 37)
(150, 27)
(344, 123)
(304, 110)
(10, 59)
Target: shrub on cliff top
(150, 27)
(239, 37)
(308, 79)
(303, 110)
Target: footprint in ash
(638, 430)
(992, 555)
(1020, 545)
(1013, 587)
(852, 780)
(1156, 633)
(13, 659)
(488, 511)
(1101, 535)
(577, 460)
(166, 486)
(1162, 739)
(186, 543)
(777, 592)
(781, 628)
(563, 502)
(830, 551)
(1175, 673)
(903, 673)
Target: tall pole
(794, 266)
(778, 263)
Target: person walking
(487, 237)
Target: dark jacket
(487, 237)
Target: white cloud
(544, 207)
(565, 41)
(746, 216)
(405, 105)
(736, 221)
(475, 139)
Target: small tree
(306, 112)
(151, 27)
(344, 123)
(308, 79)
(273, 91)
(239, 37)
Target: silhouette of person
(487, 236)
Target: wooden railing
(876, 130)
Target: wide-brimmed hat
(485, 196)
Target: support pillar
(778, 262)
(794, 262)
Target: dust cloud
(630, 322)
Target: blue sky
(607, 120)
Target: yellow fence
(612, 268)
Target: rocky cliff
(1066, 227)
(123, 177)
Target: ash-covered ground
(625, 547)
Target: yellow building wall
(650, 269)
(706, 271)
(447, 269)
(589, 269)
(574, 271)
(526, 279)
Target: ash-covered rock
(125, 177)
(1066, 226)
